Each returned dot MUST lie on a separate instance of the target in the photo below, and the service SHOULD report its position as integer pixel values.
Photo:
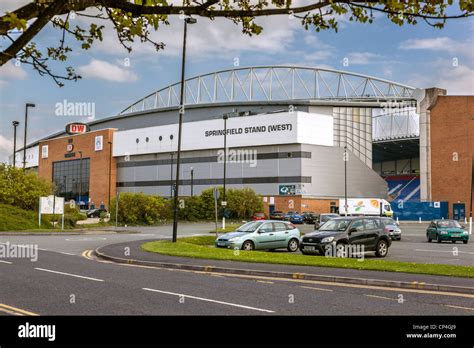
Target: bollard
(419, 221)
(397, 219)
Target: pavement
(66, 280)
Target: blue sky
(419, 55)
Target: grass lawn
(16, 219)
(202, 247)
(228, 228)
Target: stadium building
(286, 129)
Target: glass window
(279, 226)
(267, 227)
(71, 179)
(358, 225)
(370, 224)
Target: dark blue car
(294, 217)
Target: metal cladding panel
(268, 129)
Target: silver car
(262, 234)
(392, 228)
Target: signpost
(51, 205)
(77, 128)
(216, 197)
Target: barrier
(414, 211)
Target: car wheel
(464, 241)
(453, 241)
(428, 237)
(381, 249)
(248, 245)
(293, 245)
(438, 239)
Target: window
(70, 183)
(279, 226)
(370, 224)
(358, 225)
(266, 228)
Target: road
(63, 281)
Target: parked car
(95, 213)
(258, 216)
(277, 215)
(392, 228)
(266, 234)
(296, 219)
(323, 218)
(449, 230)
(365, 232)
(309, 217)
(289, 214)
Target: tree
(135, 19)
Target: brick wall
(452, 148)
(99, 161)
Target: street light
(187, 21)
(110, 172)
(171, 175)
(345, 180)
(225, 117)
(192, 180)
(80, 179)
(28, 105)
(15, 124)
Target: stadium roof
(274, 83)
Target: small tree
(243, 203)
(138, 208)
(22, 188)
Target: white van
(365, 206)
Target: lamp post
(171, 175)
(187, 21)
(345, 180)
(80, 179)
(110, 174)
(28, 105)
(192, 181)
(15, 124)
(225, 117)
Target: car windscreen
(335, 225)
(448, 224)
(325, 218)
(249, 227)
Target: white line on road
(459, 307)
(62, 252)
(209, 300)
(7, 262)
(69, 274)
(445, 251)
(313, 288)
(382, 297)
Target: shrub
(22, 188)
(138, 208)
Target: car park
(323, 218)
(392, 228)
(288, 215)
(258, 216)
(366, 233)
(266, 234)
(277, 215)
(446, 230)
(296, 219)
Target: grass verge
(202, 247)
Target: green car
(449, 230)
(262, 234)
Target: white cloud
(103, 70)
(441, 44)
(6, 148)
(362, 58)
(457, 80)
(11, 71)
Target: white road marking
(459, 307)
(313, 288)
(62, 252)
(445, 251)
(69, 274)
(209, 300)
(7, 262)
(85, 239)
(382, 297)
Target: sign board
(44, 151)
(99, 143)
(437, 204)
(216, 193)
(223, 203)
(46, 205)
(77, 128)
(287, 189)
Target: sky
(112, 79)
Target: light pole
(192, 181)
(225, 117)
(15, 124)
(80, 179)
(187, 21)
(28, 105)
(110, 173)
(171, 175)
(345, 180)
